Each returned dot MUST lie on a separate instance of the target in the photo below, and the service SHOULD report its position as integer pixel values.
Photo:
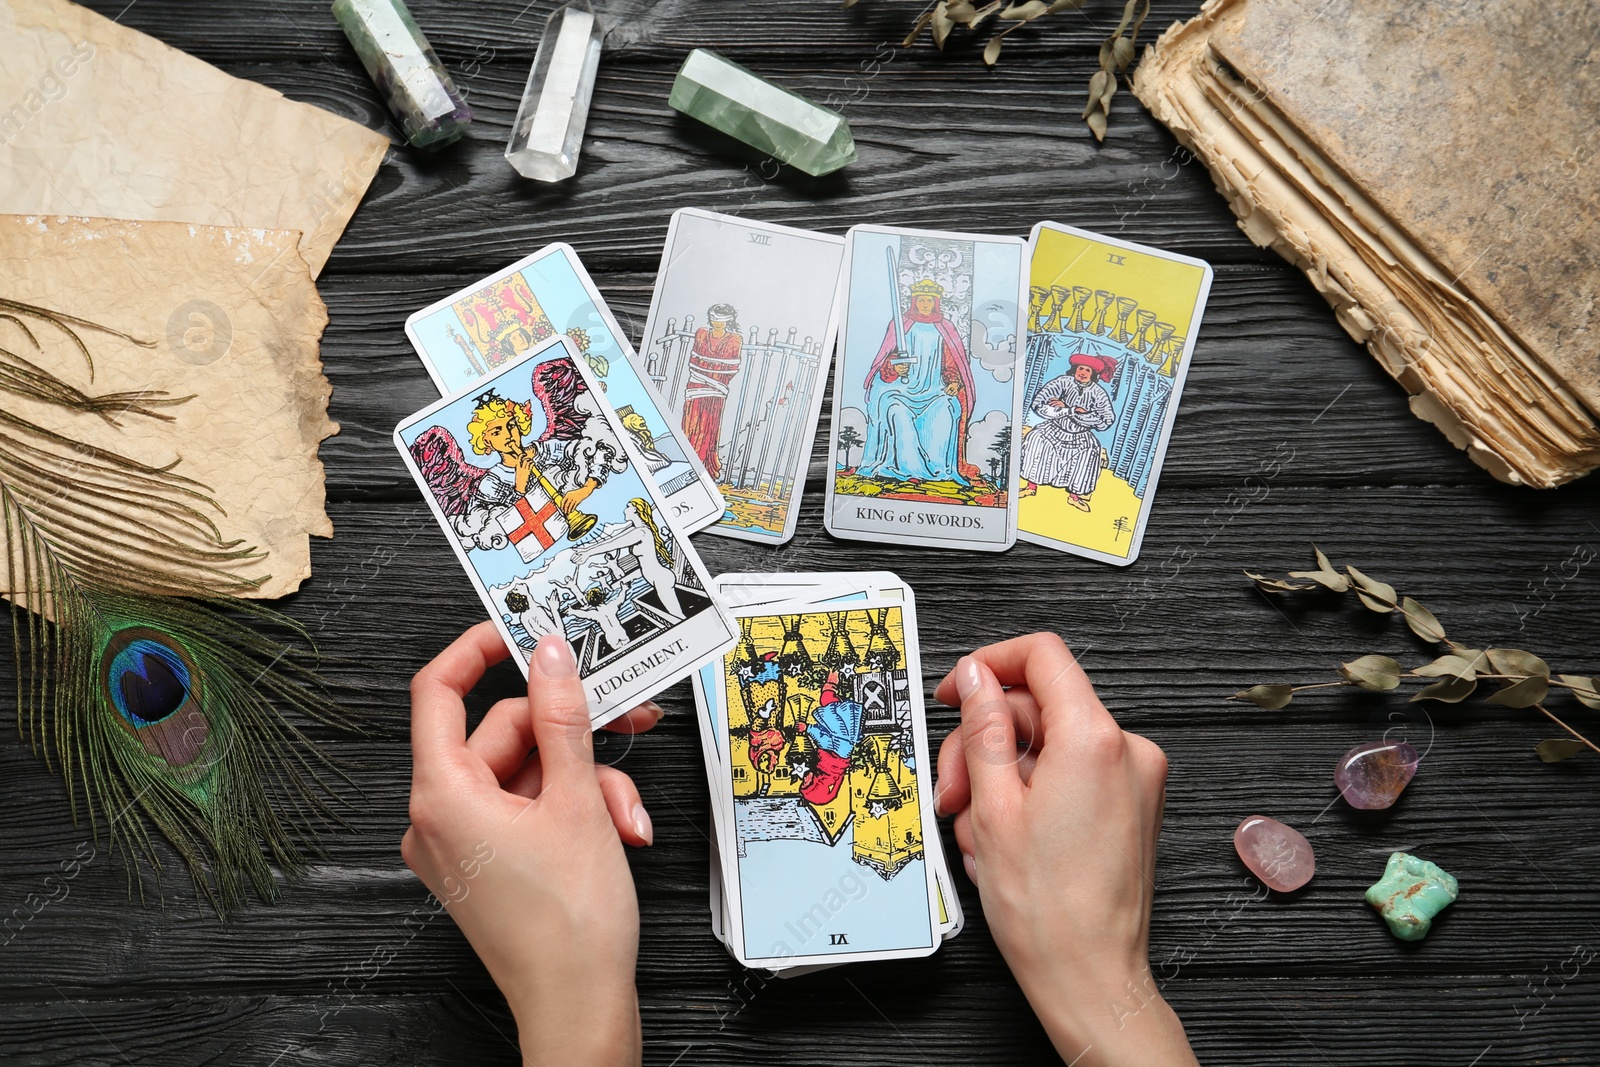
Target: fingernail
(653, 708)
(938, 798)
(971, 864)
(554, 659)
(641, 824)
(968, 680)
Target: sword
(899, 312)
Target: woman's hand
(1057, 812)
(526, 849)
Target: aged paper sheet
(235, 319)
(100, 120)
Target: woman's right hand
(1059, 833)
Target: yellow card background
(1168, 288)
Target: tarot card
(826, 790)
(1111, 327)
(560, 532)
(927, 389)
(467, 337)
(808, 589)
(737, 346)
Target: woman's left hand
(525, 847)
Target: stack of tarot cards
(566, 492)
(825, 849)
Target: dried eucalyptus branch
(1526, 680)
(1116, 51)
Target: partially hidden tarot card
(1111, 328)
(927, 389)
(827, 794)
(737, 346)
(468, 336)
(540, 492)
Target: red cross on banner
(533, 524)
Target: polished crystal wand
(548, 132)
(399, 59)
(741, 104)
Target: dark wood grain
(350, 967)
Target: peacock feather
(161, 697)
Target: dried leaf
(1097, 85)
(1025, 12)
(1559, 748)
(1271, 697)
(991, 51)
(1378, 673)
(1105, 97)
(1422, 621)
(1122, 52)
(916, 29)
(1584, 689)
(960, 11)
(1376, 595)
(1523, 694)
(1127, 16)
(1326, 577)
(1449, 690)
(1449, 666)
(1062, 5)
(1270, 584)
(983, 13)
(1518, 664)
(1138, 23)
(1097, 124)
(942, 24)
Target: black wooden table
(1289, 434)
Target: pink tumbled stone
(1279, 855)
(1372, 775)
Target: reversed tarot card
(926, 390)
(468, 336)
(539, 489)
(737, 346)
(800, 591)
(1111, 330)
(826, 788)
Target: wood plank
(352, 966)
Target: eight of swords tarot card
(737, 346)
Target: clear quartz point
(548, 131)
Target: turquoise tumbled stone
(785, 125)
(1410, 893)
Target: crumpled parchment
(235, 318)
(100, 120)
(1436, 187)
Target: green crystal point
(767, 117)
(1410, 893)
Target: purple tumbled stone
(1279, 855)
(1374, 774)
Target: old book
(1430, 166)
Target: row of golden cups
(1079, 309)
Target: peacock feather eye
(154, 686)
